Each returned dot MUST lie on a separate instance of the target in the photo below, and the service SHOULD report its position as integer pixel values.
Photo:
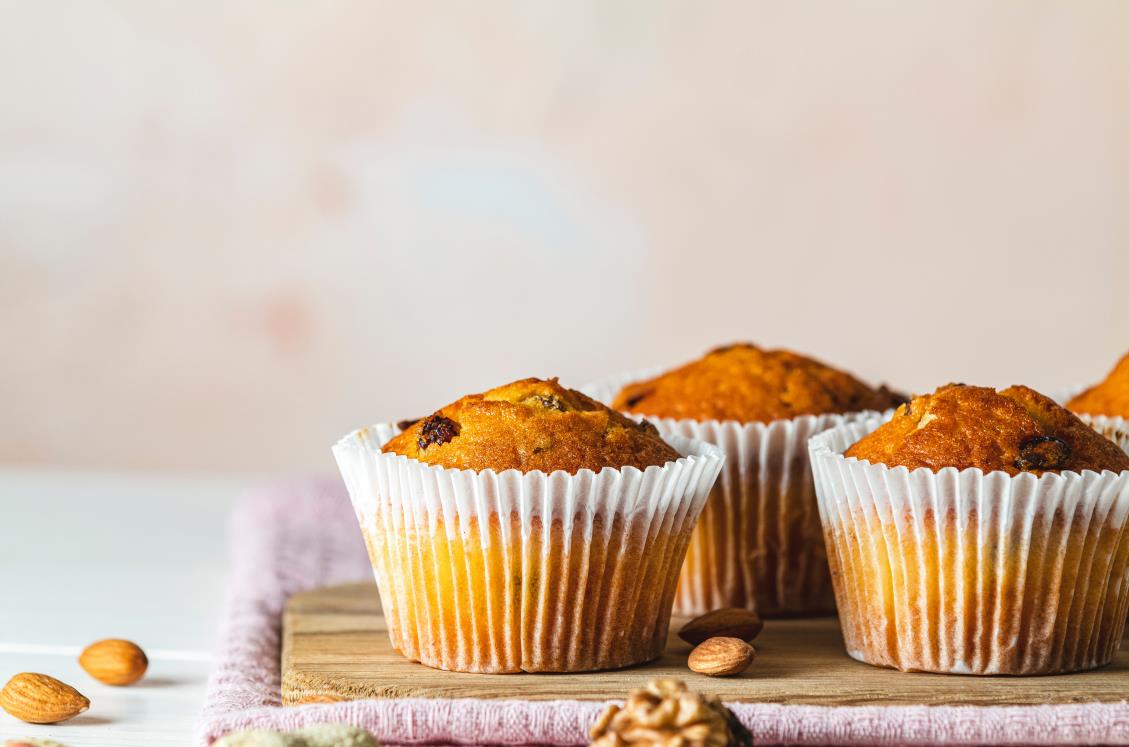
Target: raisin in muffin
(529, 425)
(977, 532)
(759, 543)
(528, 528)
(1013, 430)
(1111, 397)
(742, 382)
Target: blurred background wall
(230, 232)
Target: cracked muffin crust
(1013, 430)
(1110, 397)
(531, 424)
(745, 383)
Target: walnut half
(668, 714)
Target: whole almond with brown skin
(114, 661)
(732, 622)
(721, 656)
(39, 699)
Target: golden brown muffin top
(1013, 430)
(745, 383)
(1111, 397)
(529, 425)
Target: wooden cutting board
(335, 647)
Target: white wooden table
(86, 556)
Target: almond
(39, 699)
(721, 656)
(114, 661)
(731, 622)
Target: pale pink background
(229, 232)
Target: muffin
(527, 528)
(1111, 397)
(759, 543)
(977, 532)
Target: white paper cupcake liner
(759, 542)
(511, 571)
(958, 571)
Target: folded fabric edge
(566, 722)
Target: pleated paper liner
(958, 571)
(759, 543)
(506, 572)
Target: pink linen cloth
(300, 535)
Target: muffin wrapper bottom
(759, 543)
(504, 572)
(972, 573)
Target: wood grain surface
(335, 647)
